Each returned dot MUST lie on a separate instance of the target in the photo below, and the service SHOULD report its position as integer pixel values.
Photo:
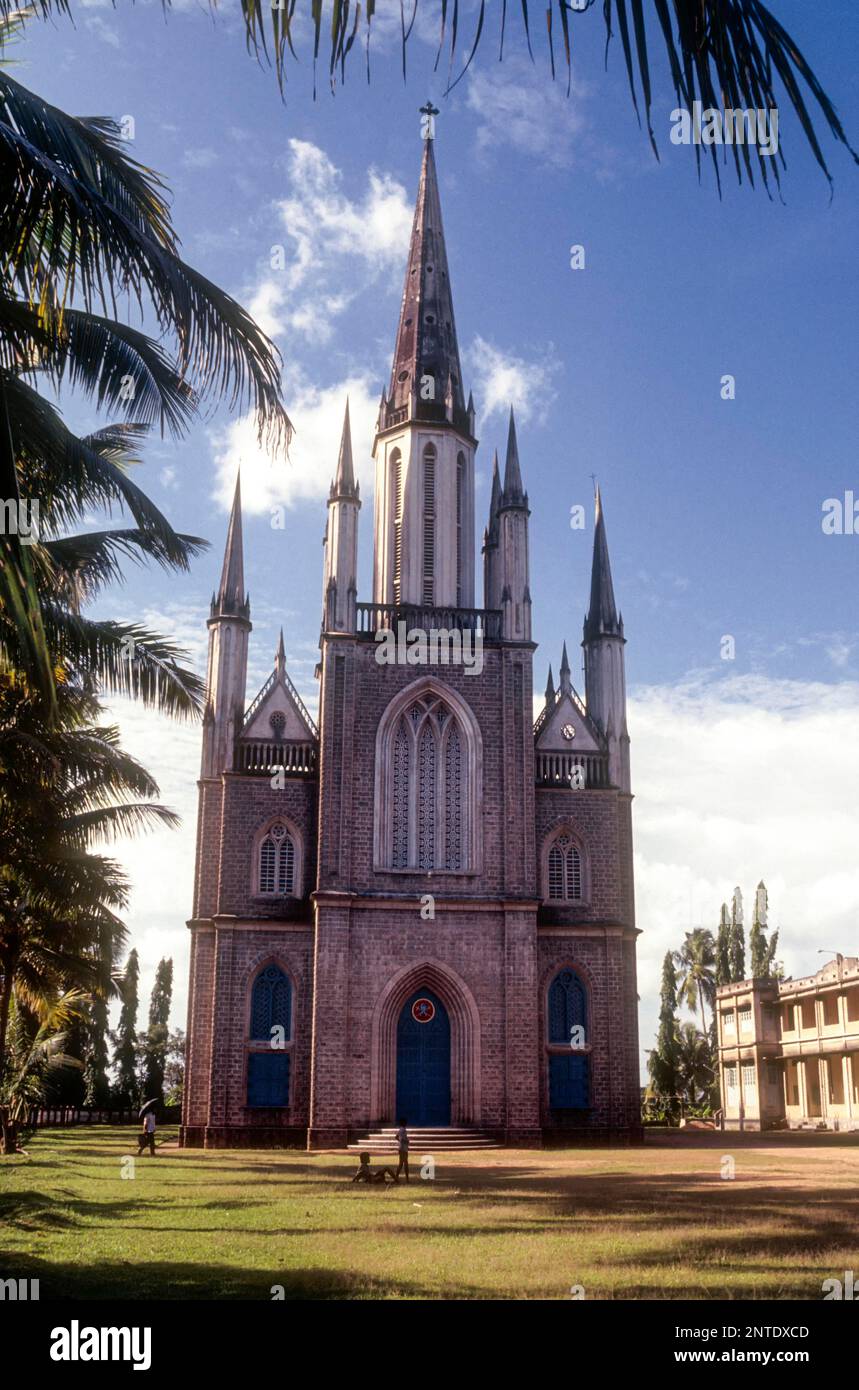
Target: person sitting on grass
(367, 1174)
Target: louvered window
(277, 862)
(460, 507)
(397, 504)
(428, 591)
(565, 870)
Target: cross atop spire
(231, 597)
(426, 366)
(429, 113)
(602, 619)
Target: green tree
(723, 948)
(174, 1068)
(127, 1089)
(157, 1036)
(694, 1063)
(82, 228)
(696, 960)
(662, 1062)
(762, 950)
(737, 941)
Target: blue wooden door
(568, 1082)
(423, 1061)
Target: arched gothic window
(268, 1066)
(569, 1044)
(277, 861)
(271, 1004)
(565, 879)
(428, 788)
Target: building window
(277, 862)
(460, 508)
(397, 510)
(731, 1078)
(428, 789)
(271, 1004)
(564, 870)
(569, 1070)
(729, 1023)
(749, 1082)
(744, 1014)
(270, 1024)
(428, 584)
(428, 781)
(830, 1010)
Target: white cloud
(502, 379)
(103, 30)
(317, 413)
(735, 781)
(202, 158)
(334, 246)
(516, 107)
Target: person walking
(403, 1149)
(147, 1135)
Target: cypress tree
(155, 1047)
(663, 1059)
(96, 1084)
(737, 947)
(723, 949)
(125, 1038)
(763, 951)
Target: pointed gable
(278, 712)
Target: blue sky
(742, 769)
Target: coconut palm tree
(694, 1063)
(696, 977)
(719, 52)
(65, 788)
(36, 1054)
(81, 226)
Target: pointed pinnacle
(602, 619)
(232, 587)
(550, 688)
(566, 684)
(280, 655)
(512, 475)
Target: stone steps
(425, 1141)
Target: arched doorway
(423, 1061)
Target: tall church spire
(423, 550)
(603, 642)
(426, 357)
(602, 619)
(344, 484)
(513, 491)
(229, 624)
(231, 596)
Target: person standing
(403, 1149)
(148, 1134)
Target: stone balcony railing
(384, 617)
(579, 771)
(266, 756)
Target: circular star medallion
(423, 1011)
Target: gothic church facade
(422, 905)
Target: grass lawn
(656, 1222)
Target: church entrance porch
(423, 1061)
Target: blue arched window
(271, 1004)
(569, 1070)
(268, 1069)
(567, 1006)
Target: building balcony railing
(383, 617)
(579, 771)
(267, 756)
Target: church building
(419, 904)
